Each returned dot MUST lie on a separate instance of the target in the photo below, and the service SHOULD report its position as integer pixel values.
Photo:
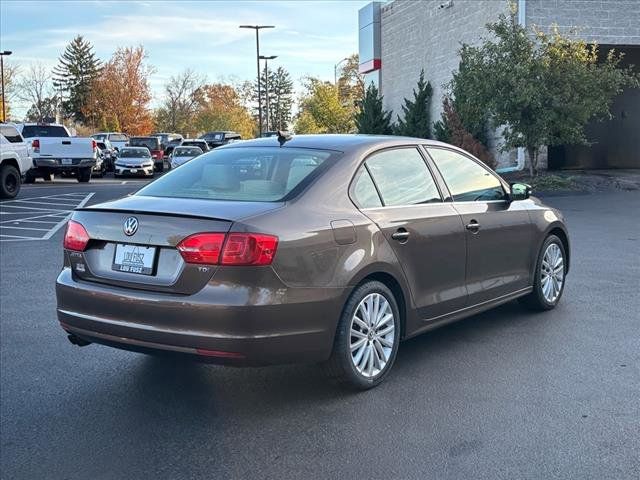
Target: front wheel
(9, 181)
(549, 276)
(367, 337)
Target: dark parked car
(171, 145)
(153, 144)
(331, 248)
(195, 142)
(109, 154)
(166, 139)
(217, 139)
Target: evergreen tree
(416, 122)
(77, 68)
(372, 118)
(280, 93)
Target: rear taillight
(249, 249)
(94, 145)
(202, 248)
(231, 249)
(35, 146)
(76, 237)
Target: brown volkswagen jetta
(318, 248)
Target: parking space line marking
(56, 227)
(16, 236)
(31, 202)
(27, 220)
(35, 208)
(24, 228)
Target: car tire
(160, 168)
(84, 175)
(549, 276)
(361, 367)
(9, 181)
(47, 176)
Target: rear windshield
(30, 131)
(118, 137)
(135, 153)
(187, 152)
(265, 174)
(99, 136)
(151, 143)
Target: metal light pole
(266, 83)
(335, 70)
(257, 28)
(4, 99)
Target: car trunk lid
(162, 223)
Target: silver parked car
(134, 161)
(182, 155)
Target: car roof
(338, 142)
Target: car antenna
(284, 137)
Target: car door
(498, 232)
(426, 233)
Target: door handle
(473, 226)
(401, 235)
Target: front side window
(363, 191)
(402, 177)
(265, 174)
(467, 180)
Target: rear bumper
(55, 164)
(223, 323)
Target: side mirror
(519, 191)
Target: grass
(549, 182)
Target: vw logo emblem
(130, 226)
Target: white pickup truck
(54, 150)
(15, 161)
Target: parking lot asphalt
(507, 394)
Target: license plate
(67, 161)
(134, 259)
(134, 170)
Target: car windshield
(187, 152)
(135, 153)
(30, 131)
(260, 174)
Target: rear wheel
(47, 176)
(549, 277)
(367, 337)
(9, 181)
(84, 175)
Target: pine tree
(372, 118)
(280, 93)
(417, 122)
(77, 68)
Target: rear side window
(10, 133)
(30, 131)
(402, 177)
(265, 174)
(363, 191)
(467, 180)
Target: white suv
(15, 160)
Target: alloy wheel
(552, 273)
(372, 335)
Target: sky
(309, 38)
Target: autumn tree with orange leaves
(120, 97)
(220, 108)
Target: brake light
(231, 249)
(249, 249)
(75, 237)
(94, 145)
(202, 248)
(35, 145)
